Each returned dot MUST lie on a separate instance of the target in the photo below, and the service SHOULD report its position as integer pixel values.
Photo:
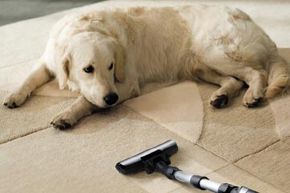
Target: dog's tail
(279, 76)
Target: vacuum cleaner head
(157, 159)
(147, 160)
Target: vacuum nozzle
(147, 160)
(157, 159)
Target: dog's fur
(128, 48)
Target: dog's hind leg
(229, 86)
(279, 76)
(38, 77)
(252, 73)
(255, 79)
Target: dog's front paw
(15, 100)
(61, 124)
(63, 121)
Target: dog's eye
(111, 66)
(89, 69)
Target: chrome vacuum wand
(157, 159)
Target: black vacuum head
(147, 160)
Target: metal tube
(209, 185)
(182, 177)
(246, 190)
(204, 183)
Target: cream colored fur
(217, 44)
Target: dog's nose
(111, 98)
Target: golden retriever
(108, 55)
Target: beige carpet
(243, 146)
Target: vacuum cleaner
(156, 159)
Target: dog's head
(93, 62)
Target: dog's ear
(63, 71)
(120, 59)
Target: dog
(109, 55)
